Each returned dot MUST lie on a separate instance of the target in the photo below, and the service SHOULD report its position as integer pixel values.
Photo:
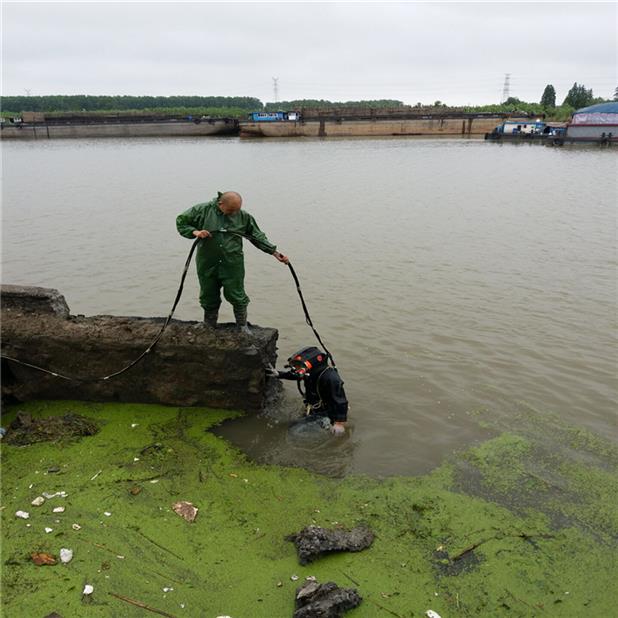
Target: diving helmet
(306, 360)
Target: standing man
(221, 224)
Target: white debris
(135, 458)
(431, 614)
(22, 514)
(58, 509)
(31, 486)
(88, 589)
(97, 474)
(66, 555)
(167, 589)
(76, 527)
(311, 578)
(38, 501)
(107, 514)
(294, 578)
(154, 481)
(134, 425)
(120, 557)
(48, 530)
(59, 494)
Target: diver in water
(323, 395)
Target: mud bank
(519, 526)
(191, 365)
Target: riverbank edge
(484, 534)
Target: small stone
(279, 584)
(22, 514)
(66, 555)
(38, 501)
(88, 589)
(58, 509)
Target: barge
(367, 122)
(34, 125)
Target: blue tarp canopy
(601, 108)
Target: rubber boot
(210, 317)
(240, 313)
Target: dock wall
(191, 365)
(124, 129)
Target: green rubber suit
(220, 260)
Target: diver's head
(307, 360)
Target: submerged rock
(324, 600)
(311, 542)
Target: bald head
(230, 202)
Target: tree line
(325, 104)
(92, 103)
(578, 96)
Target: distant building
(596, 122)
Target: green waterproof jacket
(223, 249)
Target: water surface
(446, 276)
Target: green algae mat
(523, 525)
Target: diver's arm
(288, 375)
(271, 372)
(337, 398)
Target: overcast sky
(454, 52)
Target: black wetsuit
(323, 392)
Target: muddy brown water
(446, 276)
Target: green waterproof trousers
(229, 276)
